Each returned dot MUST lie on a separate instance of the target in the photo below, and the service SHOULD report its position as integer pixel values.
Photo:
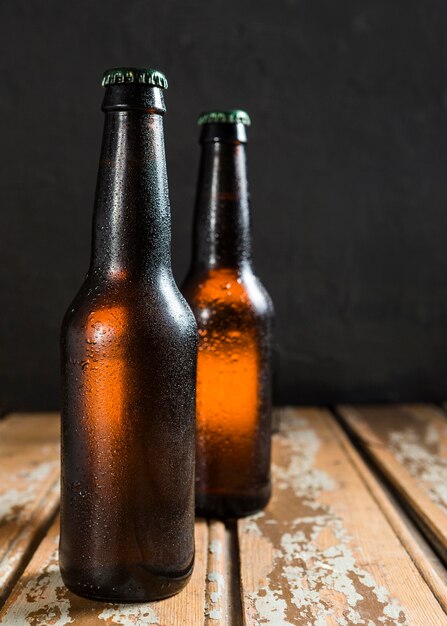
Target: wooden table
(337, 545)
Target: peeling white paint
(16, 498)
(216, 548)
(301, 566)
(250, 524)
(301, 475)
(215, 597)
(428, 468)
(14, 506)
(334, 569)
(9, 564)
(271, 607)
(43, 600)
(216, 577)
(392, 609)
(135, 614)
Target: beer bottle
(129, 349)
(234, 316)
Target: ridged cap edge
(233, 116)
(145, 76)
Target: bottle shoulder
(224, 287)
(155, 305)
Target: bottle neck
(131, 228)
(222, 225)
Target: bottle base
(223, 506)
(120, 586)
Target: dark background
(347, 165)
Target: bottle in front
(129, 349)
(234, 317)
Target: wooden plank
(323, 552)
(216, 606)
(428, 564)
(40, 596)
(409, 445)
(222, 604)
(29, 488)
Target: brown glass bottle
(129, 344)
(234, 316)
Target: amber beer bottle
(129, 348)
(234, 316)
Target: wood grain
(323, 552)
(409, 445)
(40, 596)
(332, 547)
(29, 488)
(426, 561)
(222, 605)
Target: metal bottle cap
(233, 116)
(145, 76)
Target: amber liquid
(232, 398)
(233, 314)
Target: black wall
(347, 168)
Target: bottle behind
(129, 344)
(234, 316)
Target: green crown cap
(233, 116)
(145, 76)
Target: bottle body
(129, 344)
(234, 315)
(234, 319)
